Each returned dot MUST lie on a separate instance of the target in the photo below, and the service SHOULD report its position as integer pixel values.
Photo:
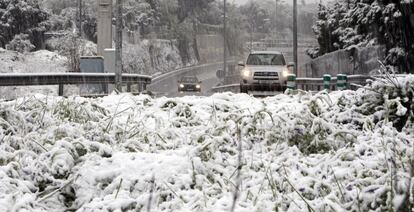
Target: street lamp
(295, 36)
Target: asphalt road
(169, 87)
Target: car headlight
(246, 72)
(198, 86)
(285, 72)
(181, 86)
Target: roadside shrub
(20, 43)
(389, 99)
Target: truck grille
(190, 87)
(266, 75)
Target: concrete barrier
(352, 61)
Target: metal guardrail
(226, 88)
(196, 69)
(314, 84)
(182, 71)
(61, 79)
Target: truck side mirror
(241, 64)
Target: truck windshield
(266, 59)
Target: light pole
(225, 38)
(295, 36)
(80, 17)
(276, 17)
(118, 46)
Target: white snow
(33, 62)
(335, 152)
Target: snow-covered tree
(324, 29)
(141, 15)
(367, 23)
(22, 16)
(190, 8)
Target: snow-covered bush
(72, 47)
(340, 151)
(20, 43)
(390, 99)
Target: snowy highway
(167, 86)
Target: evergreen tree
(323, 30)
(367, 23)
(190, 8)
(22, 17)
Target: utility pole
(80, 17)
(118, 46)
(276, 17)
(295, 36)
(225, 39)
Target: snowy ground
(33, 62)
(336, 152)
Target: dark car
(189, 84)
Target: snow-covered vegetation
(153, 56)
(354, 23)
(349, 150)
(39, 61)
(30, 62)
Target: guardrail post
(141, 87)
(327, 81)
(60, 92)
(291, 81)
(341, 82)
(128, 87)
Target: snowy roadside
(33, 62)
(344, 151)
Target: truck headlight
(246, 72)
(181, 86)
(198, 86)
(285, 72)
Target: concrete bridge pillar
(104, 26)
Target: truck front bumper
(262, 86)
